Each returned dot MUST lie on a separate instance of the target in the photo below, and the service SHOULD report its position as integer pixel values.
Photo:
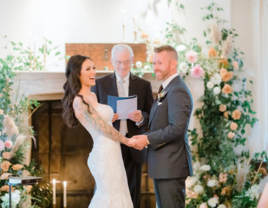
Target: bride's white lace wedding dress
(105, 160)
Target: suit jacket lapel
(132, 85)
(112, 86)
(167, 89)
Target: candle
(124, 18)
(30, 43)
(34, 47)
(135, 22)
(54, 191)
(64, 194)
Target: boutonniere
(161, 95)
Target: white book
(24, 180)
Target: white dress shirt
(166, 82)
(126, 88)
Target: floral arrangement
(221, 177)
(14, 143)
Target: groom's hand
(135, 116)
(140, 142)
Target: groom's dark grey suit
(169, 156)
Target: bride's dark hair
(71, 88)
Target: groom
(169, 156)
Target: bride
(105, 160)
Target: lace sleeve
(95, 121)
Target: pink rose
(216, 196)
(203, 205)
(191, 57)
(223, 177)
(204, 176)
(8, 144)
(197, 71)
(235, 65)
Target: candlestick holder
(135, 36)
(30, 62)
(124, 40)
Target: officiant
(123, 83)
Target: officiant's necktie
(122, 93)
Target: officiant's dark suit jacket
(169, 154)
(106, 85)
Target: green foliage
(15, 109)
(24, 60)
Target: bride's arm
(95, 121)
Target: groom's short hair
(168, 49)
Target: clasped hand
(138, 142)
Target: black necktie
(160, 90)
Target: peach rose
(212, 52)
(222, 71)
(226, 76)
(5, 176)
(226, 114)
(6, 155)
(233, 126)
(226, 191)
(231, 135)
(5, 166)
(6, 188)
(144, 35)
(235, 65)
(224, 61)
(227, 89)
(236, 115)
(192, 194)
(222, 108)
(17, 167)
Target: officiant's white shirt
(165, 83)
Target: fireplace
(62, 153)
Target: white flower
(10, 127)
(210, 85)
(190, 181)
(216, 79)
(213, 202)
(253, 192)
(203, 205)
(205, 167)
(196, 165)
(216, 90)
(198, 189)
(138, 64)
(146, 67)
(1, 112)
(183, 67)
(212, 182)
(221, 206)
(181, 48)
(15, 196)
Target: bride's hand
(133, 143)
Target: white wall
(96, 21)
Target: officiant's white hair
(122, 48)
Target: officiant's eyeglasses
(126, 62)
